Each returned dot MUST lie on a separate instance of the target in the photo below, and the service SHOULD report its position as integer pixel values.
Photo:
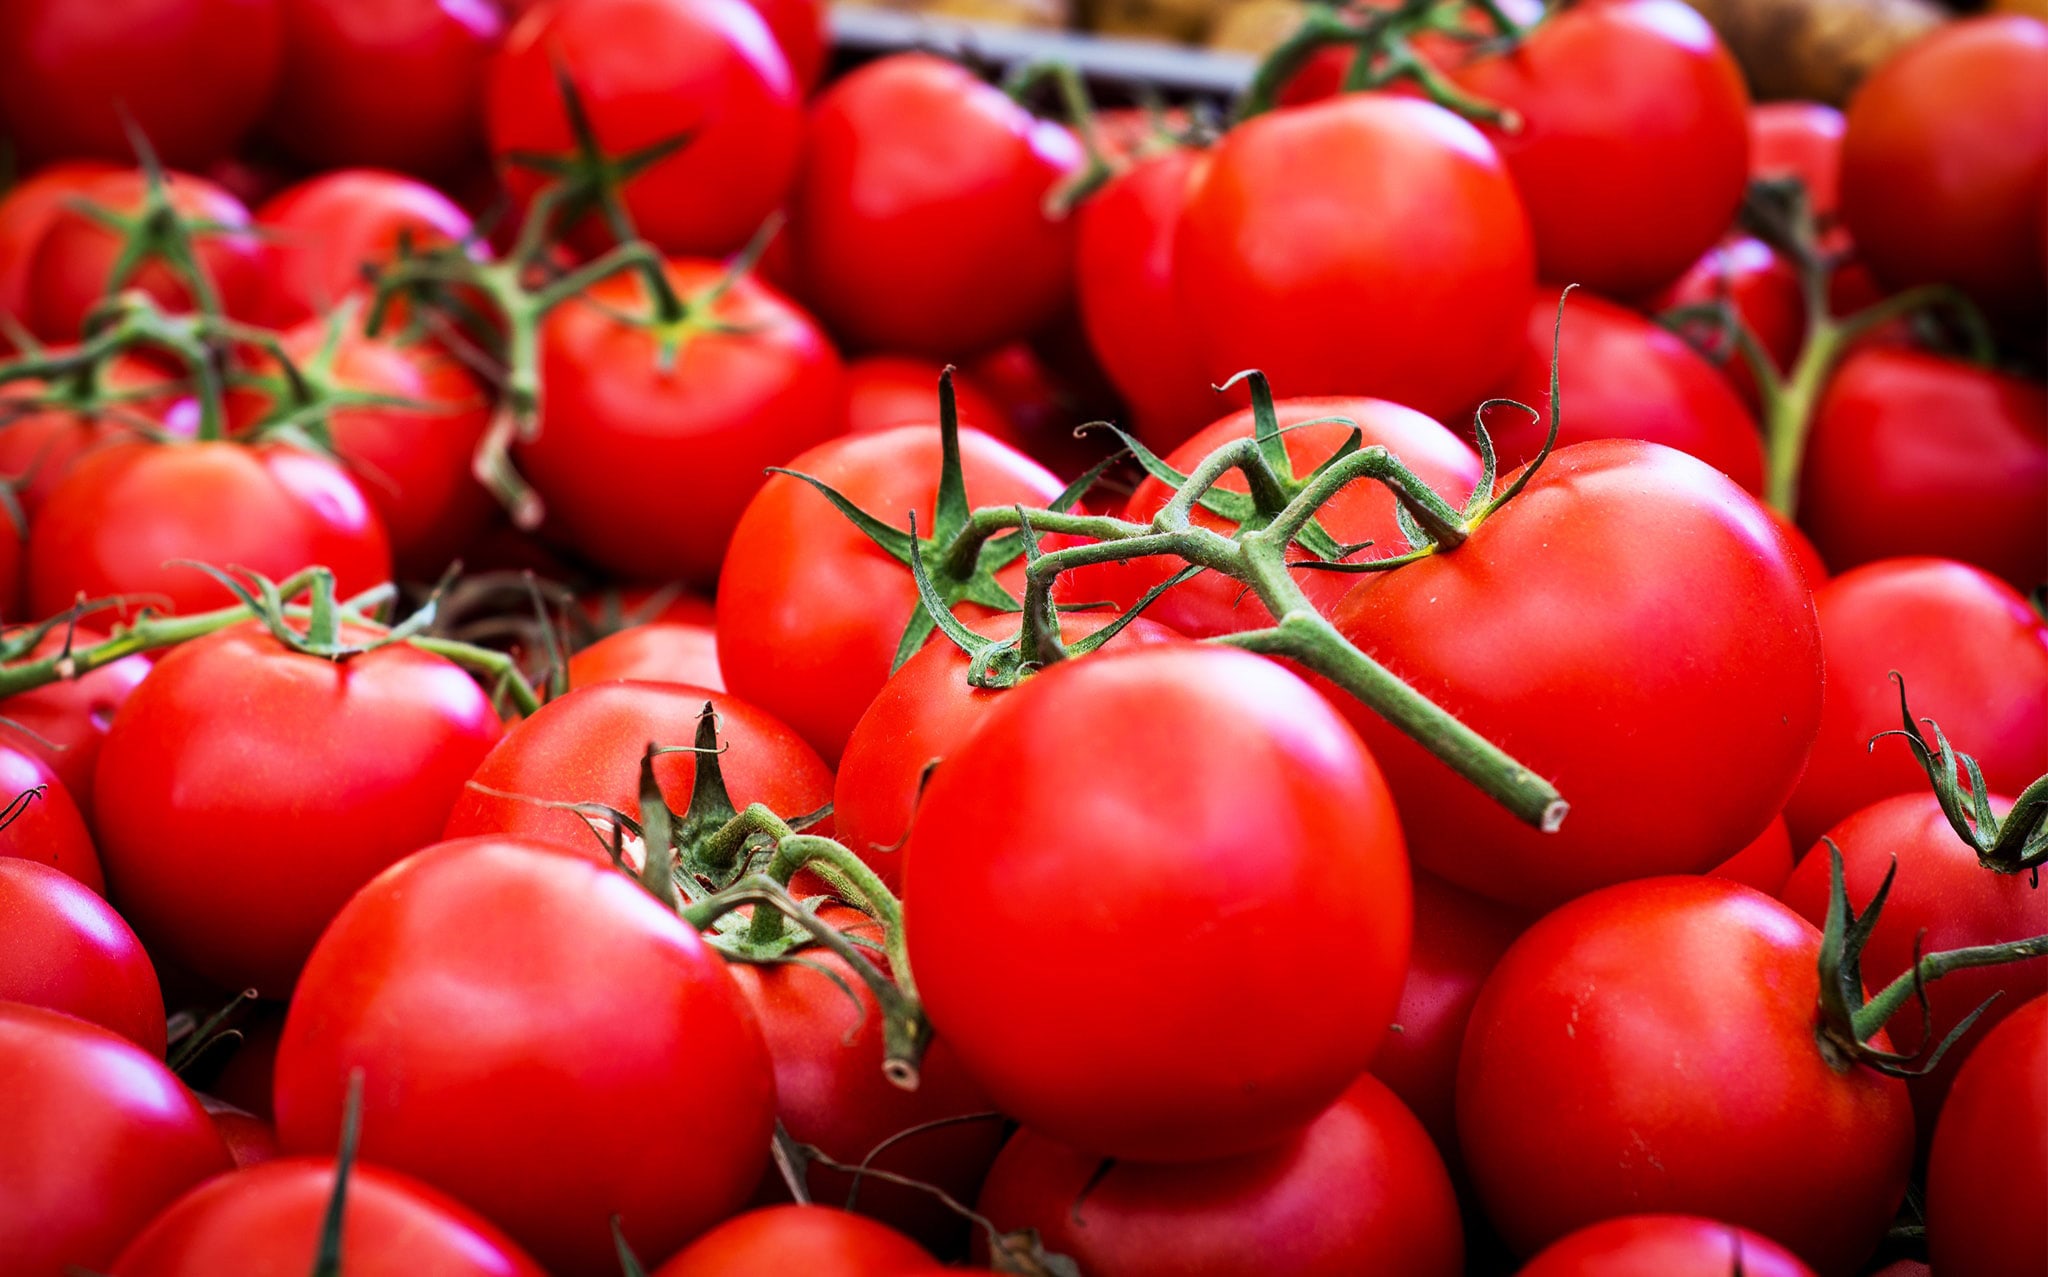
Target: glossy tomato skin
(322, 232)
(488, 977)
(193, 75)
(95, 1138)
(1633, 150)
(73, 715)
(1763, 289)
(41, 444)
(1186, 900)
(652, 652)
(49, 829)
(26, 211)
(114, 524)
(1764, 864)
(251, 1141)
(1359, 1190)
(810, 611)
(647, 71)
(1988, 1173)
(645, 462)
(1974, 657)
(919, 222)
(64, 948)
(885, 391)
(1912, 454)
(809, 1239)
(1655, 702)
(1587, 1089)
(1403, 270)
(1667, 1245)
(1957, 120)
(246, 791)
(800, 28)
(1802, 140)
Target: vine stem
(1876, 1013)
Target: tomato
(491, 979)
(883, 391)
(648, 71)
(1764, 864)
(1588, 1088)
(1762, 288)
(801, 29)
(1802, 140)
(47, 828)
(26, 210)
(246, 791)
(1622, 377)
(1047, 388)
(810, 611)
(1974, 657)
(1633, 151)
(64, 948)
(251, 1141)
(1359, 1190)
(322, 232)
(1912, 453)
(919, 221)
(95, 1138)
(64, 722)
(393, 83)
(120, 519)
(1694, 686)
(39, 445)
(1667, 1245)
(1186, 901)
(1988, 1174)
(652, 652)
(193, 76)
(700, 410)
(10, 566)
(1401, 269)
(1956, 119)
(815, 1240)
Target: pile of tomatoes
(626, 652)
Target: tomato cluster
(582, 691)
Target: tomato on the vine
(809, 1239)
(885, 391)
(64, 948)
(1667, 1246)
(1988, 1173)
(652, 652)
(45, 825)
(323, 232)
(63, 723)
(26, 210)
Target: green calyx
(1385, 52)
(157, 233)
(2016, 844)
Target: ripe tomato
(1956, 119)
(1802, 140)
(1667, 1245)
(1402, 270)
(700, 410)
(919, 222)
(800, 28)
(492, 977)
(1764, 291)
(1359, 1190)
(1912, 453)
(48, 828)
(1988, 1174)
(322, 232)
(817, 1240)
(64, 948)
(71, 715)
(1633, 150)
(26, 211)
(246, 791)
(1587, 1089)
(251, 1141)
(1765, 864)
(884, 391)
(1694, 686)
(1185, 899)
(95, 1138)
(652, 652)
(39, 445)
(1974, 657)
(648, 71)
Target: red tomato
(1147, 1074)
(71, 715)
(64, 948)
(322, 232)
(192, 75)
(1988, 1174)
(251, 1141)
(1359, 1190)
(10, 566)
(48, 828)
(800, 27)
(1046, 388)
(1693, 686)
(498, 976)
(95, 1138)
(1974, 657)
(1665, 1245)
(26, 211)
(1633, 150)
(1912, 453)
(648, 71)
(1802, 140)
(1402, 270)
(1587, 1089)
(246, 791)
(1957, 119)
(652, 652)
(911, 159)
(698, 413)
(39, 446)
(119, 520)
(884, 391)
(1758, 283)
(1765, 864)
(393, 83)
(815, 1240)
(810, 611)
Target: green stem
(799, 850)
(1876, 1013)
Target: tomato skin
(40, 445)
(95, 1138)
(323, 231)
(885, 391)
(251, 1141)
(26, 211)
(1764, 864)
(1185, 901)
(194, 75)
(49, 830)
(801, 30)
(810, 611)
(72, 714)
(1988, 1173)
(728, 406)
(468, 982)
(246, 791)
(1587, 1090)
(64, 948)
(1802, 140)
(1403, 271)
(646, 71)
(913, 159)
(1359, 1190)
(1634, 148)
(1912, 453)
(811, 1239)
(1595, 701)
(1974, 657)
(652, 652)
(117, 520)
(1764, 290)
(1956, 118)
(1667, 1245)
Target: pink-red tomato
(324, 231)
(652, 652)
(885, 391)
(26, 211)
(1764, 864)
(1763, 290)
(64, 948)
(1988, 1173)
(63, 723)
(1667, 1246)
(41, 443)
(1802, 140)
(47, 828)
(815, 1240)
